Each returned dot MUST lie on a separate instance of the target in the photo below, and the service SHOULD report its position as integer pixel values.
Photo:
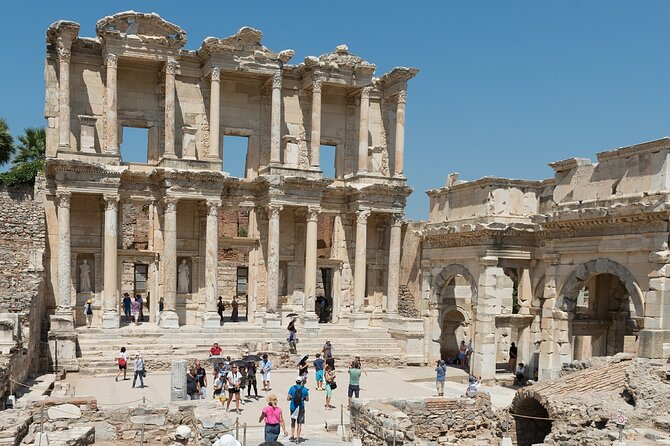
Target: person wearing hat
(139, 370)
(297, 395)
(226, 440)
(181, 435)
(88, 312)
(441, 375)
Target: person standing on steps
(292, 337)
(327, 351)
(318, 368)
(266, 366)
(141, 301)
(122, 361)
(192, 384)
(511, 364)
(440, 376)
(330, 385)
(297, 395)
(136, 311)
(354, 380)
(139, 370)
(88, 312)
(127, 301)
(236, 308)
(234, 382)
(202, 379)
(220, 308)
(251, 379)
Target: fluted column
(214, 113)
(64, 45)
(211, 318)
(360, 259)
(169, 317)
(110, 314)
(363, 130)
(394, 264)
(170, 70)
(310, 258)
(275, 119)
(112, 125)
(316, 125)
(273, 258)
(400, 134)
(64, 265)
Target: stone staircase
(97, 348)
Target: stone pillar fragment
(316, 125)
(310, 258)
(275, 119)
(400, 134)
(170, 70)
(211, 318)
(525, 291)
(363, 130)
(63, 47)
(273, 258)
(169, 318)
(178, 380)
(112, 125)
(64, 304)
(214, 112)
(110, 314)
(393, 282)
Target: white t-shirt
(234, 379)
(123, 355)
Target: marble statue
(183, 278)
(84, 277)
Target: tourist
(136, 310)
(511, 364)
(161, 307)
(202, 378)
(181, 436)
(192, 384)
(234, 382)
(226, 440)
(318, 368)
(220, 308)
(292, 337)
(462, 349)
(251, 379)
(354, 380)
(297, 395)
(215, 350)
(88, 312)
(266, 366)
(141, 301)
(330, 385)
(441, 374)
(274, 419)
(327, 351)
(235, 313)
(520, 375)
(127, 301)
(360, 364)
(303, 370)
(218, 385)
(122, 361)
(139, 370)
(473, 386)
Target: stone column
(488, 306)
(360, 259)
(112, 125)
(525, 291)
(400, 134)
(170, 70)
(549, 366)
(393, 281)
(211, 318)
(110, 314)
(316, 124)
(214, 111)
(273, 258)
(169, 318)
(64, 45)
(178, 380)
(64, 267)
(310, 258)
(363, 130)
(275, 120)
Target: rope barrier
(532, 418)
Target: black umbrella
(239, 363)
(301, 359)
(254, 358)
(292, 315)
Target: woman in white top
(234, 381)
(122, 361)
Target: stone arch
(567, 298)
(536, 411)
(448, 273)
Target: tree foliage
(29, 157)
(6, 142)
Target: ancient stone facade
(180, 230)
(567, 268)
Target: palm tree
(31, 148)
(6, 142)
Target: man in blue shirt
(318, 367)
(440, 376)
(297, 395)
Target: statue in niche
(85, 277)
(183, 278)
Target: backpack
(88, 309)
(297, 396)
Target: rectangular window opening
(327, 160)
(134, 145)
(141, 277)
(235, 153)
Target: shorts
(266, 376)
(123, 367)
(301, 417)
(232, 390)
(319, 376)
(354, 390)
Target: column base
(63, 342)
(359, 320)
(110, 320)
(211, 319)
(61, 322)
(272, 320)
(169, 319)
(311, 324)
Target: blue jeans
(139, 373)
(271, 432)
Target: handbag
(144, 373)
(333, 385)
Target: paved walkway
(407, 382)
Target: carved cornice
(64, 198)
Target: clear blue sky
(504, 87)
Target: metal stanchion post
(237, 427)
(342, 421)
(142, 435)
(244, 435)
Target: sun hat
(89, 301)
(298, 379)
(226, 440)
(183, 432)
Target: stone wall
(22, 247)
(463, 421)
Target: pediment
(340, 59)
(147, 27)
(247, 41)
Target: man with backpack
(297, 395)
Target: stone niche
(184, 275)
(87, 133)
(85, 274)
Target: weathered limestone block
(178, 380)
(64, 411)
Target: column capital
(313, 213)
(216, 74)
(362, 216)
(63, 48)
(171, 67)
(213, 207)
(111, 201)
(276, 80)
(63, 198)
(397, 218)
(274, 210)
(488, 261)
(316, 87)
(365, 92)
(111, 60)
(552, 259)
(170, 204)
(402, 96)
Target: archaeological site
(574, 270)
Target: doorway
(324, 300)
